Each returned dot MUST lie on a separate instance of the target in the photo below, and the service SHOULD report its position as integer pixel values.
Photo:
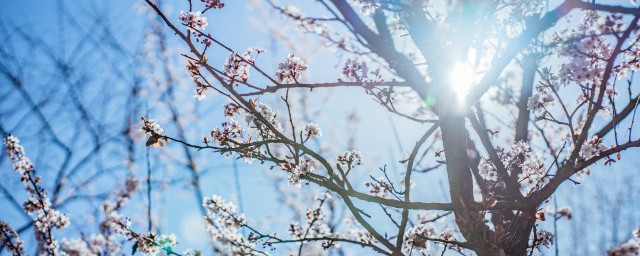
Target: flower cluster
(379, 187)
(630, 61)
(213, 4)
(76, 246)
(98, 241)
(193, 70)
(580, 68)
(533, 175)
(166, 241)
(592, 148)
(193, 20)
(587, 49)
(416, 238)
(113, 221)
(312, 130)
(196, 22)
(543, 238)
(155, 134)
(237, 66)
(315, 224)
(350, 159)
(150, 243)
(487, 170)
(224, 223)
(147, 245)
(79, 247)
(544, 91)
(427, 217)
(231, 110)
(11, 240)
(355, 70)
(305, 166)
(20, 162)
(232, 137)
(106, 241)
(629, 248)
(228, 134)
(291, 69)
(518, 159)
(270, 115)
(47, 218)
(150, 127)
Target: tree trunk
(470, 223)
(511, 235)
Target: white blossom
(237, 66)
(199, 94)
(231, 110)
(96, 242)
(228, 134)
(291, 69)
(416, 238)
(167, 240)
(350, 158)
(629, 248)
(193, 20)
(379, 187)
(269, 114)
(38, 203)
(150, 127)
(544, 91)
(487, 171)
(533, 175)
(355, 70)
(11, 240)
(312, 130)
(76, 247)
(215, 4)
(224, 223)
(592, 148)
(305, 166)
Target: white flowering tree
(564, 109)
(505, 145)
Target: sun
(462, 78)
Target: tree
(505, 144)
